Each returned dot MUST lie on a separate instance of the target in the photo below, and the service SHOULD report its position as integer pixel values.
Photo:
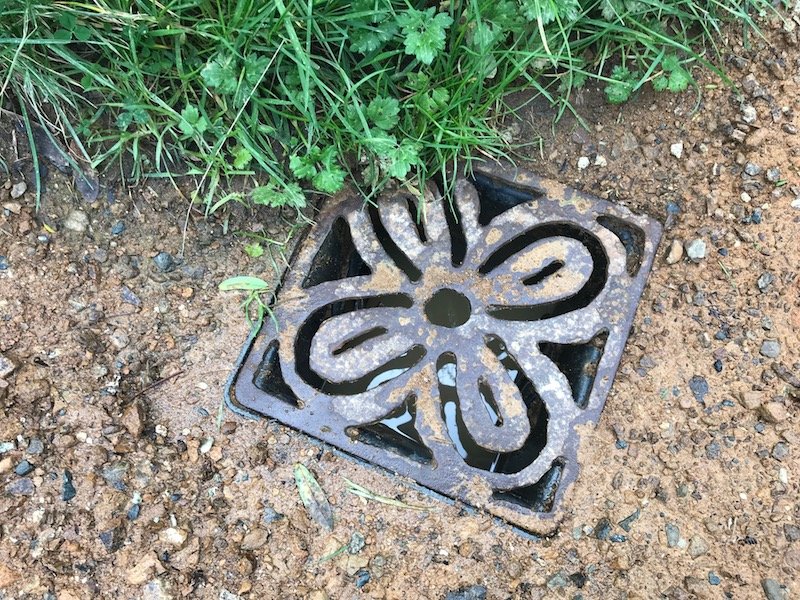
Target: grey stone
(673, 534)
(752, 169)
(764, 281)
(23, 468)
(773, 174)
(6, 367)
(792, 532)
(164, 262)
(18, 189)
(20, 487)
(774, 590)
(749, 114)
(474, 592)
(696, 249)
(771, 348)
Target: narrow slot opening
(551, 269)
(458, 240)
(391, 248)
(416, 218)
(359, 339)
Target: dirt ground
(118, 481)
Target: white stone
(676, 149)
(583, 163)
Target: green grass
(300, 94)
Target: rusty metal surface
(461, 351)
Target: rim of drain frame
(461, 349)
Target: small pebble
(603, 529)
(696, 249)
(713, 578)
(77, 220)
(675, 252)
(35, 446)
(362, 578)
(23, 468)
(18, 189)
(67, 488)
(129, 297)
(164, 262)
(752, 169)
(770, 348)
(3, 262)
(20, 487)
(697, 547)
(133, 512)
(765, 280)
(718, 366)
(773, 174)
(356, 543)
(795, 203)
(673, 535)
(774, 590)
(676, 149)
(583, 163)
(473, 592)
(118, 228)
(749, 114)
(699, 387)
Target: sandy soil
(117, 482)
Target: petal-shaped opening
(549, 270)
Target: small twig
(156, 384)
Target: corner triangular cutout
(497, 196)
(269, 378)
(632, 238)
(396, 432)
(579, 363)
(539, 497)
(337, 257)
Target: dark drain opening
(337, 257)
(448, 308)
(269, 378)
(499, 196)
(539, 497)
(632, 238)
(396, 432)
(466, 446)
(579, 363)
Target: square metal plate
(457, 341)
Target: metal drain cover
(456, 341)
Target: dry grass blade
(363, 492)
(313, 497)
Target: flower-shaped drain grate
(457, 341)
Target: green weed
(298, 95)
